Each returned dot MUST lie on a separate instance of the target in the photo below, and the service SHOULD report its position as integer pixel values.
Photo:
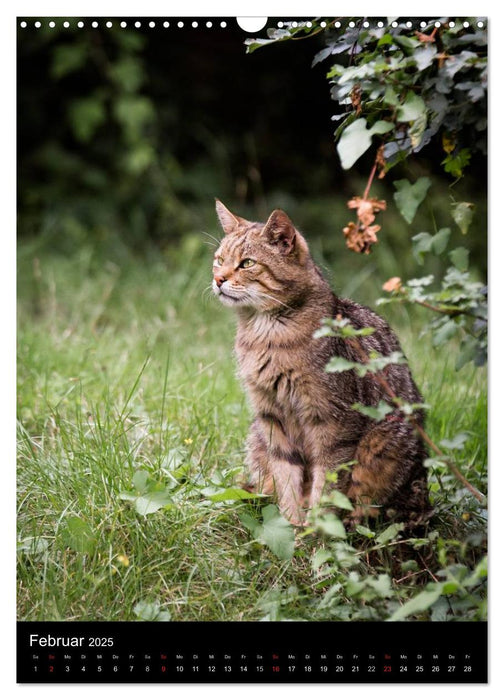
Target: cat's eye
(219, 260)
(248, 262)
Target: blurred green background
(126, 136)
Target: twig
(370, 180)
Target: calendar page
(252, 349)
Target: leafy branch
(372, 363)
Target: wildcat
(304, 424)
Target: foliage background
(126, 387)
(126, 136)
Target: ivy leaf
(390, 97)
(424, 55)
(412, 108)
(422, 244)
(409, 196)
(455, 164)
(463, 213)
(353, 143)
(381, 127)
(440, 240)
(460, 258)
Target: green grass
(127, 385)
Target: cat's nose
(219, 280)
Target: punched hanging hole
(251, 24)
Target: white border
(148, 8)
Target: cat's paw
(358, 515)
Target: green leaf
(440, 240)
(321, 556)
(148, 611)
(454, 164)
(463, 213)
(480, 572)
(152, 502)
(353, 143)
(422, 244)
(386, 40)
(140, 479)
(365, 531)
(340, 364)
(419, 603)
(331, 525)
(424, 55)
(234, 494)
(406, 42)
(127, 73)
(338, 499)
(375, 412)
(390, 533)
(445, 332)
(86, 114)
(68, 58)
(456, 443)
(381, 127)
(252, 525)
(148, 496)
(79, 536)
(34, 547)
(412, 108)
(391, 97)
(460, 258)
(409, 196)
(381, 585)
(277, 533)
(133, 112)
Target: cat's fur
(304, 425)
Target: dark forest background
(126, 136)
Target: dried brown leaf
(392, 285)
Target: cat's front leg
(276, 467)
(328, 452)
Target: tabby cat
(304, 424)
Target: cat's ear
(229, 221)
(279, 230)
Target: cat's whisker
(270, 296)
(215, 241)
(207, 292)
